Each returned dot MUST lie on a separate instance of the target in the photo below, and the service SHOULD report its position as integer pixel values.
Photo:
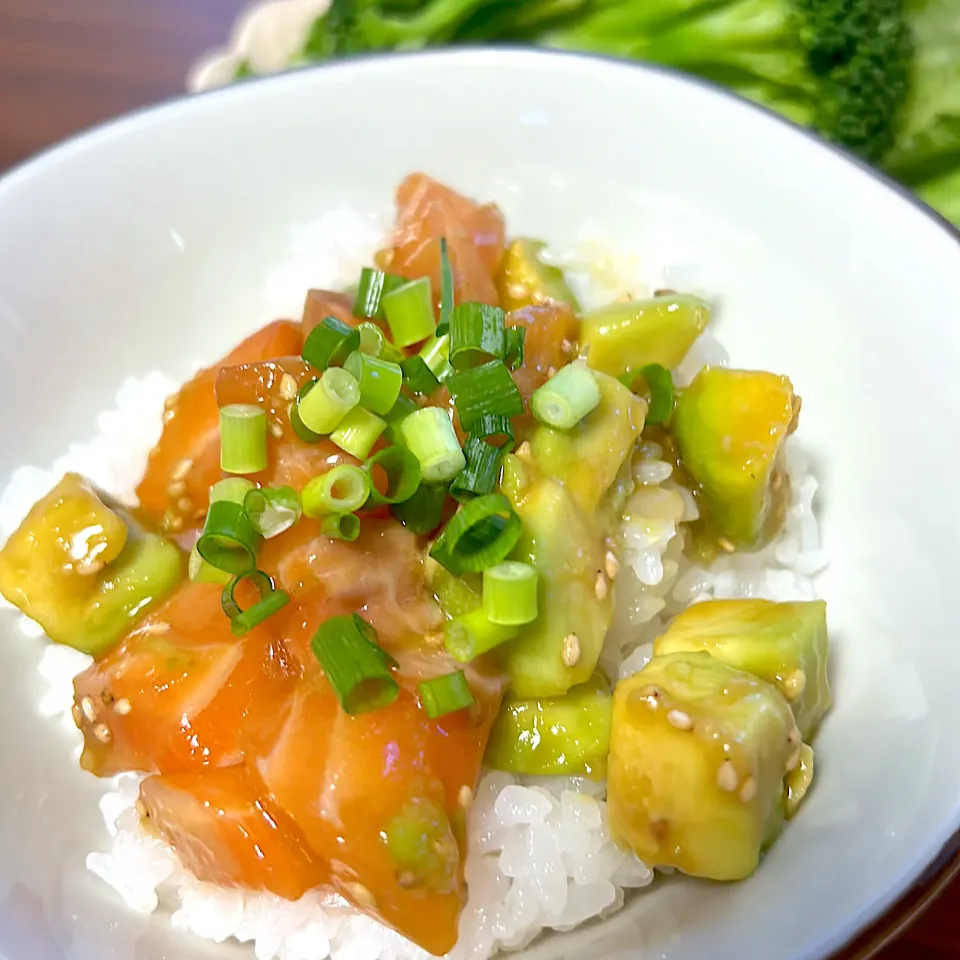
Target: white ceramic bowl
(156, 240)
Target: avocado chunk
(567, 735)
(83, 569)
(629, 334)
(698, 753)
(526, 281)
(782, 643)
(564, 544)
(730, 426)
(587, 458)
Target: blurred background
(880, 77)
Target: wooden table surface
(68, 64)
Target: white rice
(540, 853)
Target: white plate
(157, 240)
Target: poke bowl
(471, 502)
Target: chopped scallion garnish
(359, 430)
(477, 334)
(423, 512)
(380, 381)
(228, 540)
(333, 397)
(341, 526)
(513, 354)
(434, 353)
(401, 470)
(481, 472)
(429, 435)
(494, 429)
(566, 398)
(480, 534)
(256, 578)
(272, 510)
(199, 571)
(409, 311)
(446, 289)
(234, 489)
(356, 666)
(446, 694)
(305, 434)
(373, 286)
(400, 411)
(485, 390)
(243, 438)
(471, 634)
(329, 343)
(510, 593)
(660, 384)
(374, 343)
(342, 489)
(418, 376)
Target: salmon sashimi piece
(185, 463)
(548, 327)
(380, 576)
(383, 797)
(427, 211)
(181, 691)
(227, 832)
(320, 304)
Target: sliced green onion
(510, 593)
(660, 384)
(233, 489)
(418, 377)
(494, 429)
(409, 311)
(402, 470)
(272, 510)
(471, 634)
(481, 473)
(423, 512)
(446, 694)
(342, 489)
(356, 666)
(256, 578)
(200, 571)
(513, 354)
(329, 343)
(401, 410)
(380, 381)
(485, 390)
(446, 289)
(323, 407)
(228, 540)
(307, 436)
(430, 437)
(480, 534)
(341, 526)
(435, 355)
(477, 334)
(359, 430)
(243, 438)
(259, 612)
(567, 397)
(374, 343)
(373, 286)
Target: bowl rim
(908, 897)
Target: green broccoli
(880, 77)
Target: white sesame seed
(182, 469)
(566, 346)
(601, 588)
(794, 683)
(725, 545)
(288, 387)
(89, 711)
(77, 715)
(176, 489)
(611, 564)
(465, 797)
(680, 720)
(406, 879)
(122, 706)
(185, 505)
(523, 451)
(727, 776)
(361, 895)
(571, 650)
(551, 371)
(276, 429)
(168, 415)
(749, 790)
(102, 732)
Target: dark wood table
(67, 64)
